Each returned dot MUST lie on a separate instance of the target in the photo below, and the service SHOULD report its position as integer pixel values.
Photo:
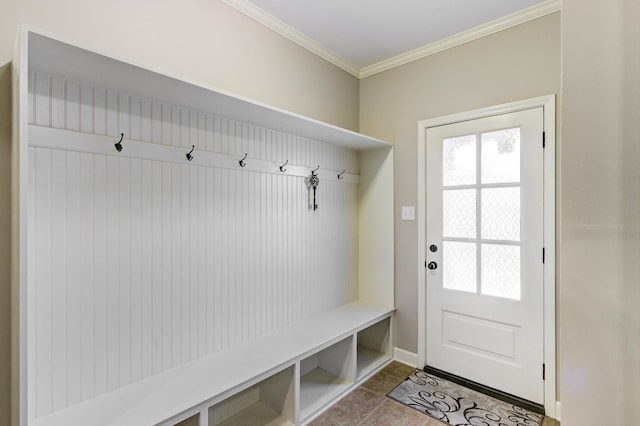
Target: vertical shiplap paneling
(137, 263)
(185, 276)
(31, 107)
(147, 301)
(156, 122)
(42, 99)
(86, 108)
(58, 101)
(73, 105)
(176, 125)
(177, 280)
(146, 120)
(135, 118)
(31, 322)
(112, 114)
(113, 273)
(123, 310)
(88, 245)
(124, 115)
(165, 310)
(214, 180)
(75, 258)
(158, 246)
(99, 111)
(201, 232)
(234, 264)
(41, 280)
(58, 298)
(209, 132)
(140, 266)
(100, 276)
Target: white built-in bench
(145, 250)
(288, 377)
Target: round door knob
(432, 265)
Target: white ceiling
(361, 34)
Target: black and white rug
(457, 405)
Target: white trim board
(48, 137)
(405, 357)
(503, 23)
(548, 105)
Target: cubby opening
(325, 375)
(374, 346)
(269, 402)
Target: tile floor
(368, 404)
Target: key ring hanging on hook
(314, 181)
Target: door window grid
(497, 248)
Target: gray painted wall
(600, 173)
(519, 63)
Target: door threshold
(495, 393)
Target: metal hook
(242, 162)
(313, 172)
(282, 169)
(340, 175)
(119, 143)
(189, 156)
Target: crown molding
(271, 22)
(292, 34)
(517, 18)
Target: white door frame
(549, 108)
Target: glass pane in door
(500, 212)
(500, 156)
(459, 160)
(459, 213)
(500, 268)
(459, 266)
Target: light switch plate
(408, 213)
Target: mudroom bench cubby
(184, 256)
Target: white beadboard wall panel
(137, 266)
(66, 104)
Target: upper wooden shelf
(61, 58)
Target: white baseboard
(405, 357)
(558, 411)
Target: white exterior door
(484, 238)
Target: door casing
(549, 211)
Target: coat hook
(340, 175)
(119, 143)
(282, 169)
(242, 162)
(189, 156)
(313, 172)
